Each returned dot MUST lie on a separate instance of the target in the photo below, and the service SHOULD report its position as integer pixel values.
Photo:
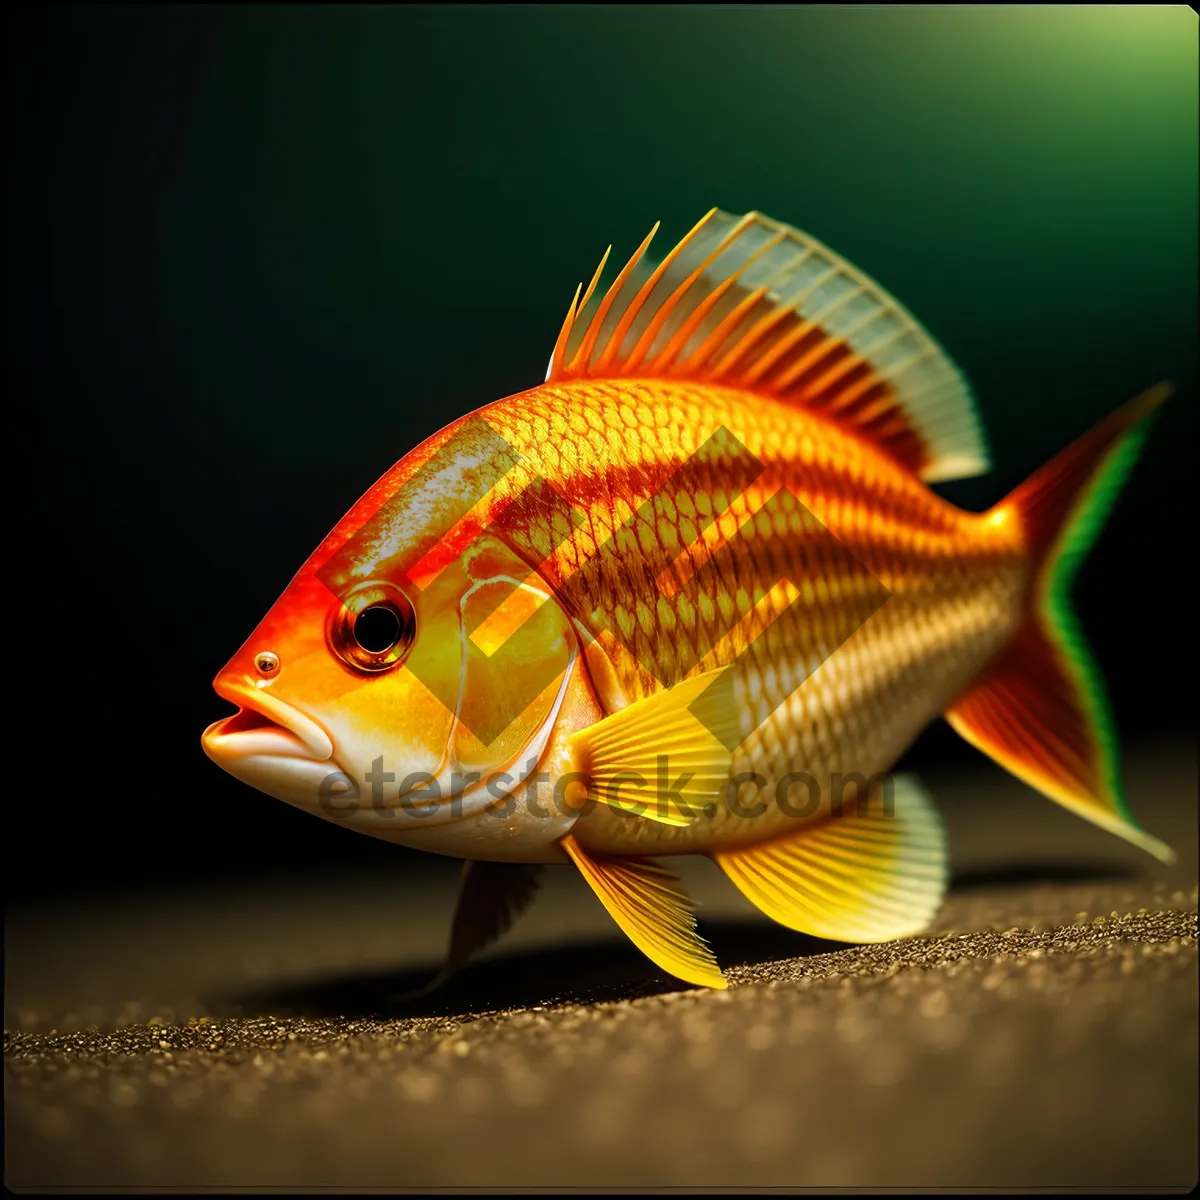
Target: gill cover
(517, 649)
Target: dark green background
(255, 255)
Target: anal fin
(869, 875)
(648, 902)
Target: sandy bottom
(1043, 1034)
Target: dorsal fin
(752, 303)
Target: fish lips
(272, 747)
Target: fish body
(692, 594)
(954, 584)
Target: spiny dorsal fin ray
(749, 302)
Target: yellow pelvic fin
(648, 902)
(663, 757)
(874, 873)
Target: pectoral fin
(866, 876)
(664, 757)
(649, 904)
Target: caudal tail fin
(1040, 710)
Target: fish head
(410, 678)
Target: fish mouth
(263, 726)
(273, 747)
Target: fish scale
(857, 711)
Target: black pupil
(377, 629)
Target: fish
(694, 594)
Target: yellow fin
(648, 903)
(860, 877)
(663, 757)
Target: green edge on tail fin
(1041, 709)
(1059, 571)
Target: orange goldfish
(693, 594)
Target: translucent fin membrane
(869, 876)
(1041, 710)
(748, 302)
(648, 902)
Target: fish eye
(377, 629)
(374, 628)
